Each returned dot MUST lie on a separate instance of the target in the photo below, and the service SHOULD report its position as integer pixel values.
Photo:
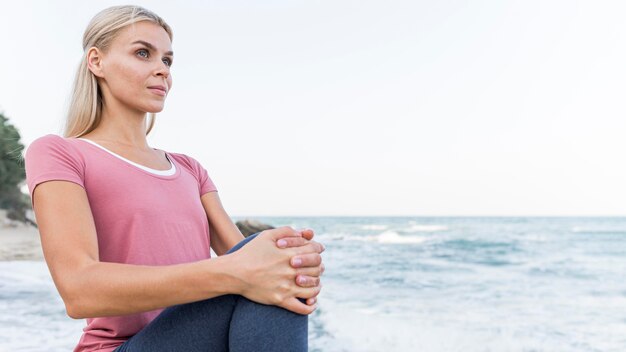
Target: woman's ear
(94, 61)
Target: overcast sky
(366, 107)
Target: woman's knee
(243, 242)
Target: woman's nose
(163, 70)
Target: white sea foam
(30, 301)
(354, 329)
(425, 228)
(394, 237)
(374, 227)
(335, 236)
(579, 229)
(389, 237)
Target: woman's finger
(280, 232)
(322, 247)
(316, 271)
(306, 260)
(307, 281)
(310, 247)
(311, 301)
(309, 292)
(293, 304)
(307, 233)
(289, 242)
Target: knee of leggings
(243, 242)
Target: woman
(125, 227)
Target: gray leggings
(224, 323)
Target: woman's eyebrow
(151, 47)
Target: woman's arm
(90, 288)
(225, 235)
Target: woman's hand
(264, 273)
(310, 266)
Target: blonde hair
(85, 109)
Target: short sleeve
(49, 158)
(206, 184)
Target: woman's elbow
(75, 296)
(74, 306)
(72, 312)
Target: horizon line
(434, 216)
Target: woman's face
(135, 70)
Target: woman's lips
(158, 90)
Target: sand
(20, 242)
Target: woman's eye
(142, 53)
(167, 61)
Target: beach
(20, 242)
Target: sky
(366, 108)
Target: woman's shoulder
(51, 157)
(184, 159)
(48, 139)
(200, 173)
(191, 164)
(51, 143)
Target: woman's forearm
(224, 237)
(110, 289)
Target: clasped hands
(280, 267)
(309, 264)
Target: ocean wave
(425, 228)
(374, 227)
(617, 231)
(467, 244)
(388, 237)
(394, 237)
(29, 273)
(335, 236)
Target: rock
(5, 222)
(249, 227)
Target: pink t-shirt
(141, 217)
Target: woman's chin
(155, 109)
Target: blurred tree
(12, 173)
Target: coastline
(20, 242)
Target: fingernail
(297, 262)
(302, 280)
(281, 243)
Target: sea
(416, 284)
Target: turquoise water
(411, 283)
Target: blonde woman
(127, 229)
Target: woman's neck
(122, 128)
